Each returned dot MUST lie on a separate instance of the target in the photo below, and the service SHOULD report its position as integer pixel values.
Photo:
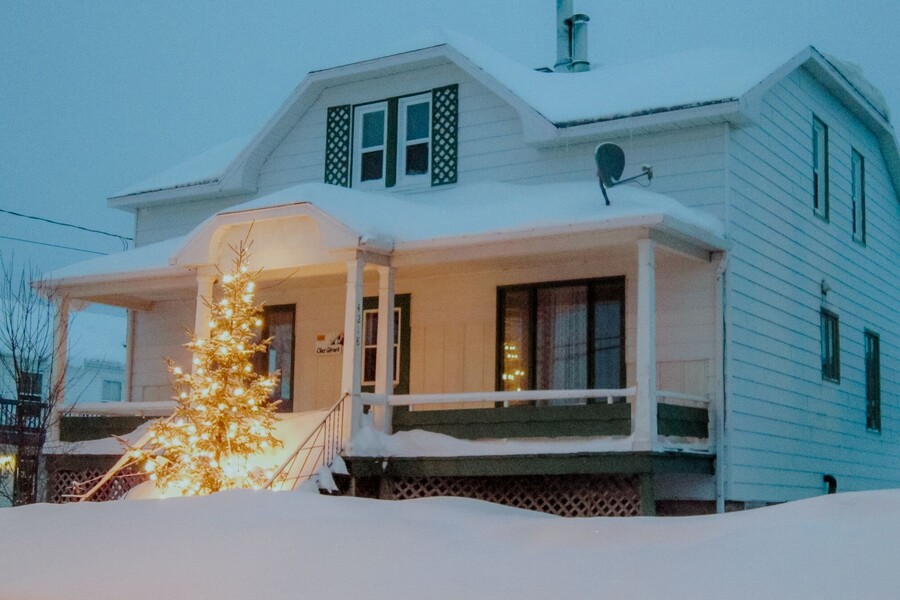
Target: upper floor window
(873, 381)
(370, 144)
(859, 197)
(414, 138)
(820, 168)
(831, 347)
(407, 140)
(29, 386)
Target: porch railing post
(644, 410)
(60, 364)
(352, 362)
(384, 360)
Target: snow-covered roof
(560, 101)
(442, 217)
(143, 261)
(203, 168)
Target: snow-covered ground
(269, 545)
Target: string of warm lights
(223, 416)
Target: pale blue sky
(95, 96)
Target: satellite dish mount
(610, 160)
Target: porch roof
(391, 223)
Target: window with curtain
(566, 335)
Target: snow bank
(245, 545)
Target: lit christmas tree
(224, 415)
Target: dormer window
(370, 144)
(414, 138)
(403, 141)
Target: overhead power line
(122, 238)
(15, 239)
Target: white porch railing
(608, 395)
(501, 397)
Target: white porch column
(202, 314)
(644, 409)
(352, 360)
(384, 374)
(60, 364)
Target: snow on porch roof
(464, 214)
(481, 209)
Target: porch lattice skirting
(563, 495)
(66, 481)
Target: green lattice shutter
(444, 125)
(337, 145)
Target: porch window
(873, 381)
(111, 391)
(566, 335)
(278, 324)
(401, 343)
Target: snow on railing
(317, 450)
(610, 395)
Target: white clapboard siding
(160, 333)
(787, 427)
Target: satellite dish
(610, 163)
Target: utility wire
(15, 239)
(123, 238)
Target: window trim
(359, 112)
(873, 397)
(590, 283)
(820, 205)
(830, 372)
(422, 179)
(859, 227)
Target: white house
(739, 315)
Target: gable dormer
(404, 141)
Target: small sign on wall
(332, 343)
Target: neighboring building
(741, 314)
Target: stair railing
(317, 450)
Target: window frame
(872, 380)
(618, 283)
(858, 196)
(831, 369)
(106, 384)
(421, 179)
(26, 383)
(402, 303)
(820, 204)
(359, 112)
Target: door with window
(562, 335)
(401, 343)
(278, 324)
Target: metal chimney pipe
(563, 36)
(580, 62)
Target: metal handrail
(124, 461)
(329, 430)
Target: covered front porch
(602, 332)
